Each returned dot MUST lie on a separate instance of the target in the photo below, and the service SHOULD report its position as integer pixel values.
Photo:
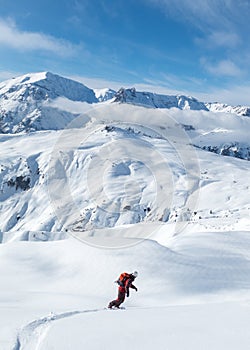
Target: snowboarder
(125, 282)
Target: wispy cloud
(222, 23)
(222, 68)
(233, 95)
(207, 14)
(220, 39)
(221, 32)
(13, 37)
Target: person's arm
(133, 287)
(129, 285)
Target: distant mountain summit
(149, 99)
(104, 94)
(221, 107)
(45, 85)
(22, 102)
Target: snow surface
(194, 293)
(120, 188)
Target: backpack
(123, 278)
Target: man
(125, 282)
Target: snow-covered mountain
(104, 94)
(23, 102)
(153, 100)
(149, 99)
(45, 85)
(221, 107)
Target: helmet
(135, 273)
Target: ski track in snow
(32, 334)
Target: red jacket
(127, 284)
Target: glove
(127, 294)
(136, 289)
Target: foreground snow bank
(192, 327)
(53, 294)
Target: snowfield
(90, 189)
(193, 293)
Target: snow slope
(192, 293)
(110, 173)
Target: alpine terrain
(95, 182)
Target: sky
(199, 48)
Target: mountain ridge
(24, 101)
(153, 100)
(54, 85)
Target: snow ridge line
(31, 335)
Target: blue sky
(200, 47)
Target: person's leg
(120, 299)
(111, 304)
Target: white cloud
(206, 14)
(233, 95)
(11, 36)
(222, 68)
(98, 83)
(220, 39)
(222, 24)
(224, 39)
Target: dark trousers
(120, 299)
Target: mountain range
(24, 101)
